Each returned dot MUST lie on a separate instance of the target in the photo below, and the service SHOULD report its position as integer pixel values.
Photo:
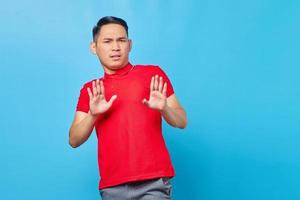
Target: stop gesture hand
(98, 103)
(158, 94)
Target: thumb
(145, 102)
(112, 99)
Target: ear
(130, 45)
(93, 47)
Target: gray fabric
(155, 189)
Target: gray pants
(154, 189)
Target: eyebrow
(119, 38)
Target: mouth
(115, 57)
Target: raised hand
(98, 103)
(158, 94)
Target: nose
(116, 46)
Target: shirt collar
(120, 72)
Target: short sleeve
(166, 79)
(83, 100)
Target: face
(112, 47)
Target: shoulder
(89, 83)
(149, 68)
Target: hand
(158, 94)
(98, 103)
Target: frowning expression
(112, 47)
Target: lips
(115, 56)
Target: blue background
(234, 66)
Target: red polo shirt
(131, 146)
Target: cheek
(103, 51)
(127, 49)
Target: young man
(126, 107)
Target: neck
(110, 71)
(118, 72)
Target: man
(125, 107)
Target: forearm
(175, 116)
(81, 131)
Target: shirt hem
(135, 178)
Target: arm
(83, 123)
(169, 107)
(173, 113)
(81, 128)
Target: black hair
(108, 20)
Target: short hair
(108, 20)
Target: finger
(152, 84)
(112, 99)
(156, 83)
(165, 90)
(145, 102)
(94, 89)
(98, 86)
(90, 93)
(160, 85)
(102, 87)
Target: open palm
(158, 94)
(98, 103)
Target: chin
(114, 65)
(117, 64)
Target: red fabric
(130, 141)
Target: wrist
(164, 109)
(93, 116)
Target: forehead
(112, 31)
